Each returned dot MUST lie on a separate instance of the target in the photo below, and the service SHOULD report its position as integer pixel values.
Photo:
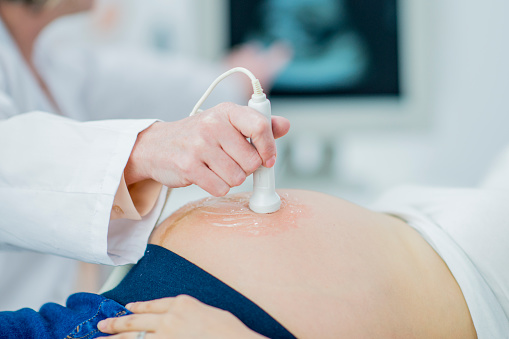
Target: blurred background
(379, 92)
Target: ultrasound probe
(264, 199)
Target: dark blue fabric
(77, 320)
(162, 273)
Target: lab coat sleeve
(135, 201)
(58, 180)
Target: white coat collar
(5, 37)
(8, 43)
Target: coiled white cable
(257, 87)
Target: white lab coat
(59, 175)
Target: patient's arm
(323, 267)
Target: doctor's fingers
(240, 150)
(224, 166)
(280, 126)
(254, 125)
(205, 178)
(243, 152)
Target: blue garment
(77, 320)
(162, 273)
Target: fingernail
(101, 325)
(128, 306)
(271, 162)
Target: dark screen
(340, 47)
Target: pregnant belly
(323, 267)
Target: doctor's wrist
(138, 166)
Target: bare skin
(325, 268)
(25, 23)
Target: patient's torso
(322, 267)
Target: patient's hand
(180, 317)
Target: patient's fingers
(179, 317)
(131, 335)
(130, 323)
(153, 306)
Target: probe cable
(257, 87)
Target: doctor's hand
(209, 149)
(180, 317)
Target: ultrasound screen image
(340, 47)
